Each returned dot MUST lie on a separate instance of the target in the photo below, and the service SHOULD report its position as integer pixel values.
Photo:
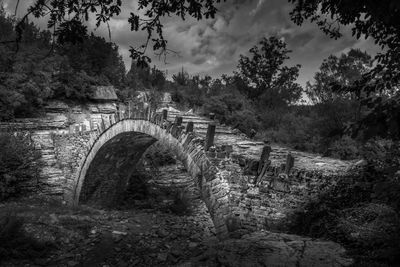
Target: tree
(344, 70)
(68, 17)
(187, 90)
(376, 19)
(97, 58)
(157, 79)
(267, 80)
(332, 110)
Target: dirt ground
(87, 236)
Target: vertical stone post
(189, 127)
(129, 109)
(151, 118)
(91, 125)
(71, 129)
(212, 116)
(164, 114)
(289, 163)
(264, 157)
(210, 136)
(103, 124)
(178, 120)
(148, 113)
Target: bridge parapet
(244, 188)
(188, 146)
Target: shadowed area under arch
(114, 153)
(113, 164)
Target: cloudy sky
(212, 47)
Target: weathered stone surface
(101, 146)
(274, 249)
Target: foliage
(267, 80)
(379, 86)
(144, 77)
(319, 127)
(15, 243)
(68, 19)
(43, 70)
(361, 211)
(97, 58)
(344, 148)
(19, 163)
(219, 96)
(344, 70)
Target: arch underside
(112, 165)
(115, 152)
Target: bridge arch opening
(117, 149)
(116, 161)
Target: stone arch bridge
(246, 185)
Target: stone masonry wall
(272, 202)
(238, 198)
(70, 150)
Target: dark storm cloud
(212, 47)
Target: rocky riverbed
(153, 237)
(149, 229)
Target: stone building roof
(104, 93)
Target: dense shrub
(361, 212)
(344, 148)
(19, 163)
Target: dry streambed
(155, 237)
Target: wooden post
(212, 116)
(178, 120)
(210, 136)
(289, 163)
(189, 127)
(165, 114)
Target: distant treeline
(261, 96)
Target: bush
(15, 243)
(19, 163)
(345, 148)
(361, 212)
